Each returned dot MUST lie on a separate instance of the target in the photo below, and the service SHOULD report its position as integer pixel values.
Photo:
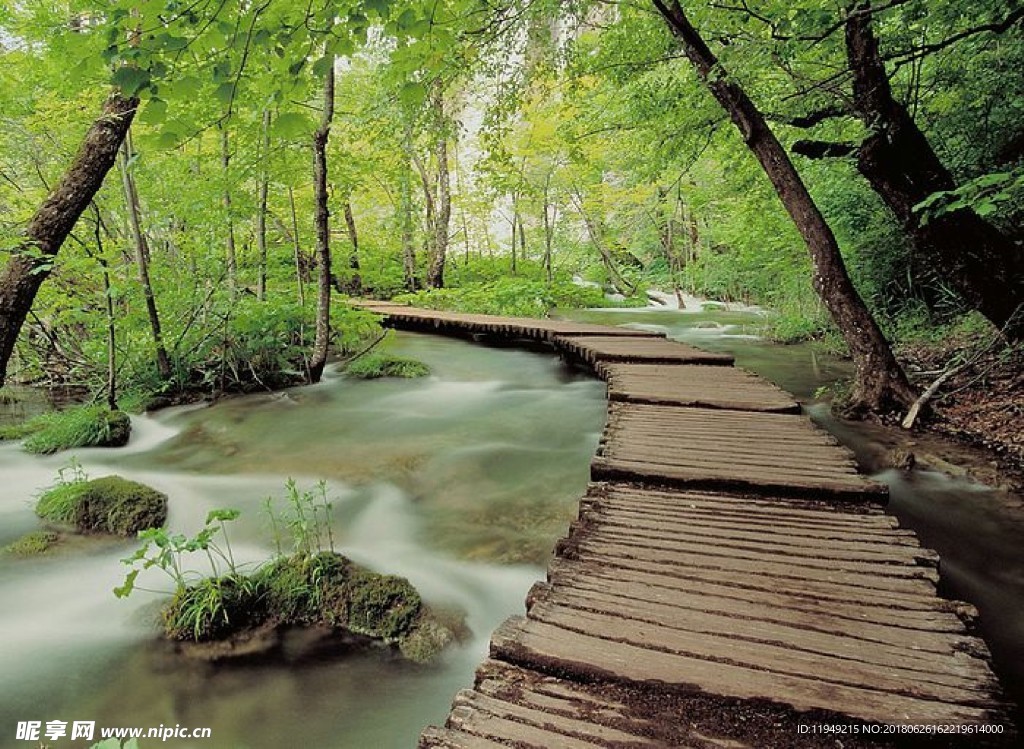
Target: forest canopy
(185, 185)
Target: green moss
(85, 426)
(373, 366)
(105, 505)
(216, 608)
(32, 544)
(381, 606)
(319, 590)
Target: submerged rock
(111, 504)
(32, 544)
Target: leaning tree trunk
(318, 359)
(230, 252)
(32, 260)
(983, 265)
(131, 199)
(405, 217)
(879, 383)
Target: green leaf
(130, 80)
(291, 125)
(154, 113)
(412, 93)
(125, 590)
(224, 93)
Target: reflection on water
(461, 482)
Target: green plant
(81, 426)
(166, 551)
(306, 518)
(372, 366)
(58, 502)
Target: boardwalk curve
(731, 581)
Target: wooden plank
(868, 615)
(594, 349)
(545, 646)
(695, 385)
(814, 635)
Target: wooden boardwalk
(731, 581)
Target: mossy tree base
(111, 504)
(240, 615)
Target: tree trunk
(405, 217)
(318, 359)
(300, 274)
(442, 219)
(131, 199)
(354, 283)
(32, 260)
(983, 265)
(232, 257)
(879, 383)
(261, 209)
(549, 228)
(614, 276)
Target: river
(461, 482)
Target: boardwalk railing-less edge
(731, 581)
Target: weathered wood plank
(595, 349)
(548, 647)
(695, 385)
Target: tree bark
(32, 260)
(442, 218)
(232, 257)
(880, 384)
(405, 218)
(982, 264)
(261, 208)
(354, 283)
(318, 359)
(131, 198)
(300, 273)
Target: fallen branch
(951, 371)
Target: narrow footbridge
(732, 580)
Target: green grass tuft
(83, 426)
(372, 366)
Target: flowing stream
(461, 482)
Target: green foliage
(110, 504)
(79, 426)
(214, 608)
(32, 544)
(372, 366)
(509, 296)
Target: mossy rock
(217, 608)
(111, 504)
(85, 426)
(32, 544)
(382, 606)
(321, 591)
(373, 366)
